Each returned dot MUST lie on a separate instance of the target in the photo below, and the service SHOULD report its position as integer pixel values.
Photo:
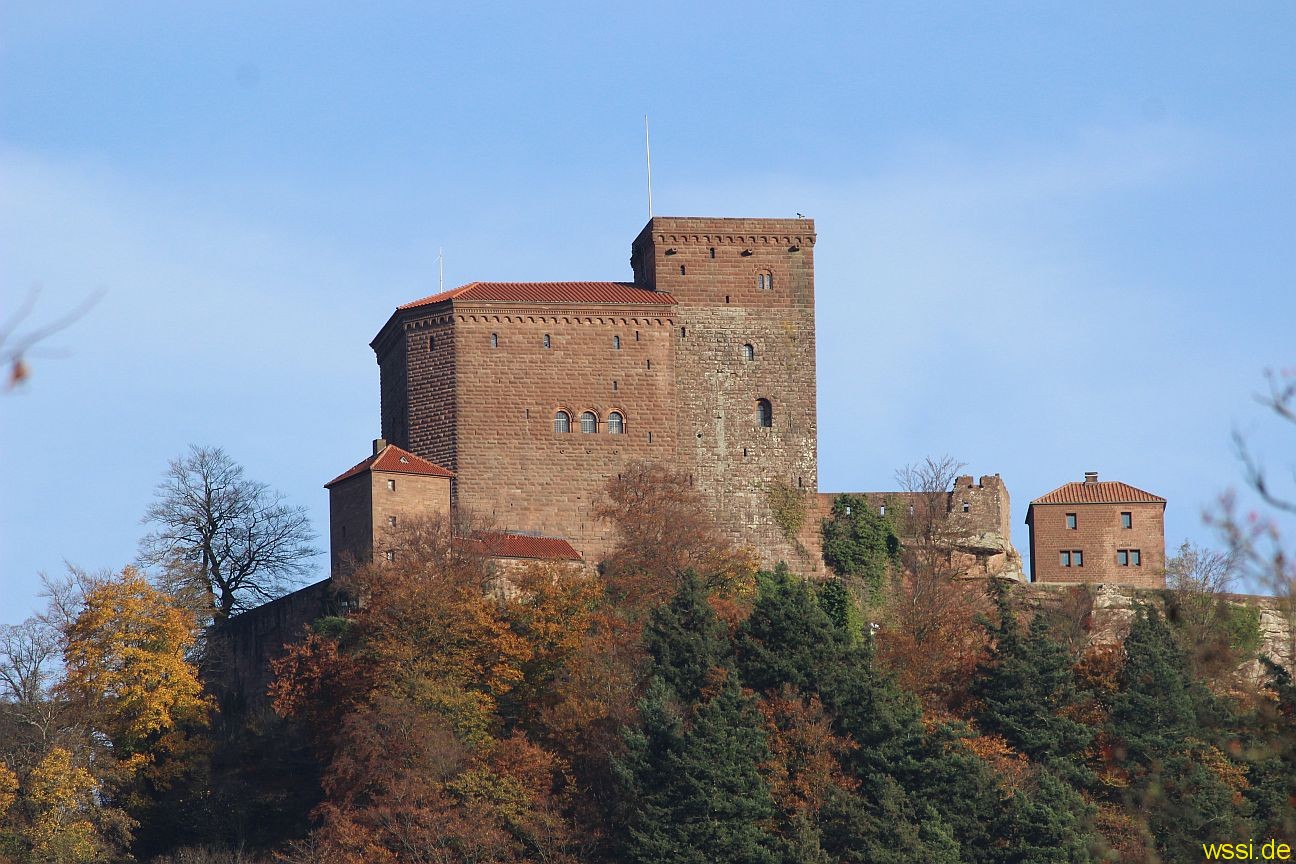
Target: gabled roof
(504, 545)
(1095, 492)
(394, 460)
(547, 292)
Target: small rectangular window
(1136, 557)
(391, 556)
(1077, 557)
(391, 521)
(1127, 520)
(391, 485)
(1122, 557)
(547, 342)
(1071, 521)
(1064, 559)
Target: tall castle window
(494, 340)
(616, 343)
(749, 352)
(764, 413)
(589, 423)
(562, 422)
(548, 343)
(765, 280)
(615, 423)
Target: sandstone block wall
(512, 466)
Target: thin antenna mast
(648, 155)
(441, 268)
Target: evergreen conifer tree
(1022, 691)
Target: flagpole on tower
(441, 269)
(648, 156)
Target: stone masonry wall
(512, 466)
(738, 283)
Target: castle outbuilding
(1098, 532)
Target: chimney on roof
(379, 444)
(1091, 476)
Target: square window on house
(1071, 521)
(1127, 520)
(391, 485)
(1122, 557)
(1136, 557)
(1064, 558)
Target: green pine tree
(1022, 691)
(686, 639)
(695, 795)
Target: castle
(535, 394)
(521, 401)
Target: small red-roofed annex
(1098, 532)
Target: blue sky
(1052, 237)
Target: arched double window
(562, 422)
(615, 423)
(764, 413)
(589, 423)
(765, 280)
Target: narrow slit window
(681, 269)
(548, 343)
(494, 340)
(616, 343)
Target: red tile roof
(504, 545)
(396, 461)
(547, 292)
(1094, 492)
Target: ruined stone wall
(512, 466)
(743, 332)
(976, 516)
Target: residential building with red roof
(1098, 532)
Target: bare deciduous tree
(1256, 540)
(224, 542)
(28, 654)
(931, 638)
(16, 345)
